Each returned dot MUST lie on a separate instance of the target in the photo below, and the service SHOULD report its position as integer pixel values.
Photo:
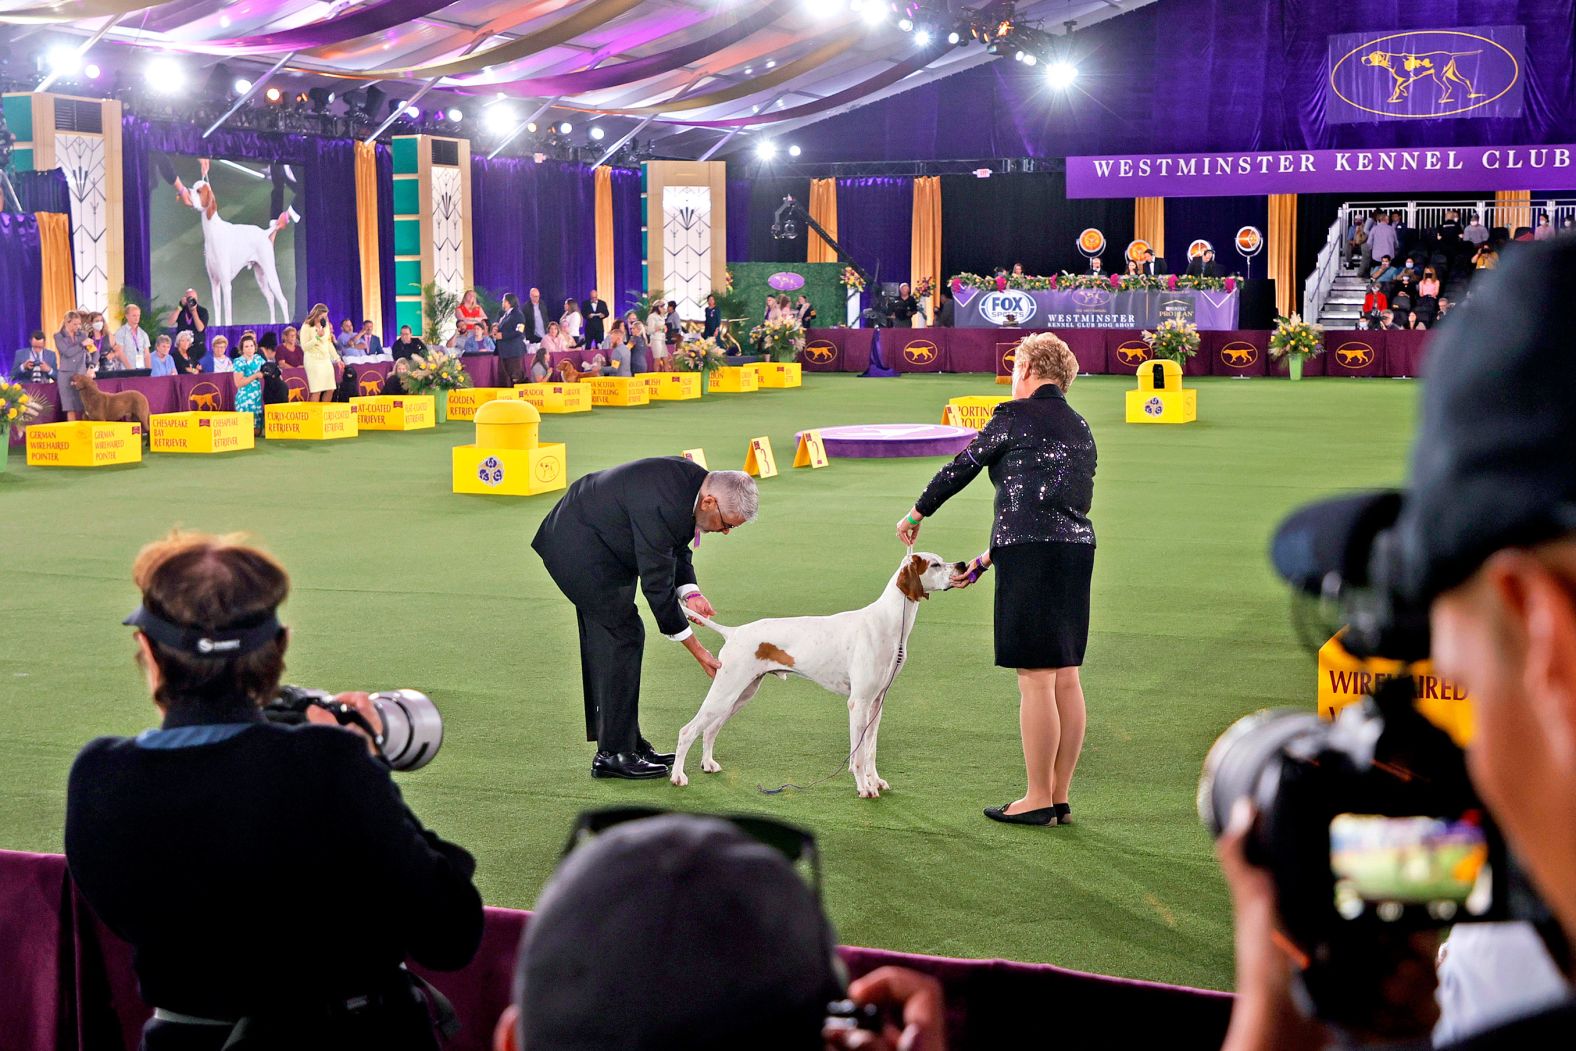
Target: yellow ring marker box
(464, 403)
(310, 421)
(556, 397)
(676, 386)
(778, 374)
(507, 459)
(1160, 397)
(83, 444)
(735, 379)
(973, 411)
(201, 432)
(395, 412)
(619, 390)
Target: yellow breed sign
(780, 374)
(1345, 679)
(973, 412)
(732, 379)
(464, 403)
(83, 444)
(556, 397)
(395, 412)
(676, 386)
(201, 432)
(311, 421)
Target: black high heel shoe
(1064, 813)
(1043, 816)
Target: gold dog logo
(821, 352)
(919, 352)
(297, 387)
(1239, 355)
(1431, 73)
(1007, 354)
(1354, 356)
(1133, 352)
(546, 469)
(204, 397)
(369, 384)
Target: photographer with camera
(269, 878)
(190, 316)
(1475, 564)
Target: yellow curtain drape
(604, 233)
(823, 209)
(60, 282)
(1149, 224)
(925, 254)
(1512, 209)
(367, 235)
(1281, 248)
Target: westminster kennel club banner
(1426, 74)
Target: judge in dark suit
(616, 528)
(596, 314)
(713, 318)
(1095, 266)
(1204, 265)
(1149, 266)
(511, 341)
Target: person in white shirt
(572, 323)
(221, 354)
(129, 348)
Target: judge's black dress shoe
(1043, 816)
(626, 765)
(651, 755)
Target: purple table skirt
(70, 984)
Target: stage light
(165, 75)
(906, 24)
(91, 71)
(455, 115)
(794, 151)
(771, 63)
(274, 95)
(531, 127)
(63, 60)
(873, 14)
(1017, 56)
(598, 134)
(766, 150)
(413, 112)
(748, 70)
(953, 38)
(241, 85)
(922, 38)
(1029, 59)
(500, 120)
(1061, 74)
(565, 128)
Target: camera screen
(1385, 864)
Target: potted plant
(1174, 339)
(436, 373)
(1295, 341)
(17, 407)
(698, 355)
(438, 305)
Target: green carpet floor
(400, 583)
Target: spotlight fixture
(749, 70)
(1017, 56)
(454, 114)
(953, 38)
(165, 75)
(1061, 74)
(91, 71)
(413, 112)
(274, 95)
(531, 127)
(597, 133)
(874, 14)
(771, 63)
(1029, 59)
(922, 38)
(766, 150)
(906, 24)
(565, 128)
(63, 60)
(500, 120)
(241, 85)
(794, 151)
(320, 98)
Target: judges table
(1238, 352)
(70, 983)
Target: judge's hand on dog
(697, 603)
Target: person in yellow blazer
(317, 344)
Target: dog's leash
(875, 714)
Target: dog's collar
(218, 644)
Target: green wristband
(910, 520)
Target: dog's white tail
(725, 632)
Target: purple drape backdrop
(328, 170)
(1216, 220)
(738, 220)
(385, 164)
(500, 232)
(45, 191)
(533, 226)
(628, 217)
(875, 226)
(1200, 75)
(21, 283)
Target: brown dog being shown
(129, 405)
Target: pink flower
(1171, 282)
(1001, 283)
(957, 286)
(1116, 281)
(1053, 282)
(1231, 284)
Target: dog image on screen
(229, 248)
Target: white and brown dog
(855, 654)
(228, 248)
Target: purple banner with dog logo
(1093, 308)
(1473, 168)
(1426, 74)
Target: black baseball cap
(1493, 465)
(676, 931)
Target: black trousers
(513, 370)
(612, 643)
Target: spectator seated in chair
(36, 362)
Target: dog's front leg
(871, 777)
(859, 710)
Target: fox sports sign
(1012, 307)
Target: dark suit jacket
(713, 320)
(1154, 269)
(511, 339)
(636, 520)
(1198, 268)
(532, 334)
(595, 313)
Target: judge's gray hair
(735, 492)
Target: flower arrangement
(1118, 282)
(851, 280)
(1294, 336)
(1174, 339)
(17, 408)
(780, 340)
(698, 355)
(436, 371)
(924, 288)
(438, 312)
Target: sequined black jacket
(1041, 458)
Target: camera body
(412, 726)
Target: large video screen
(226, 228)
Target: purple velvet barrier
(73, 984)
(21, 285)
(1353, 353)
(875, 225)
(1236, 353)
(1404, 352)
(915, 349)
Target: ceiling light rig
(997, 26)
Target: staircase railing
(1317, 288)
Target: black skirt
(1042, 604)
